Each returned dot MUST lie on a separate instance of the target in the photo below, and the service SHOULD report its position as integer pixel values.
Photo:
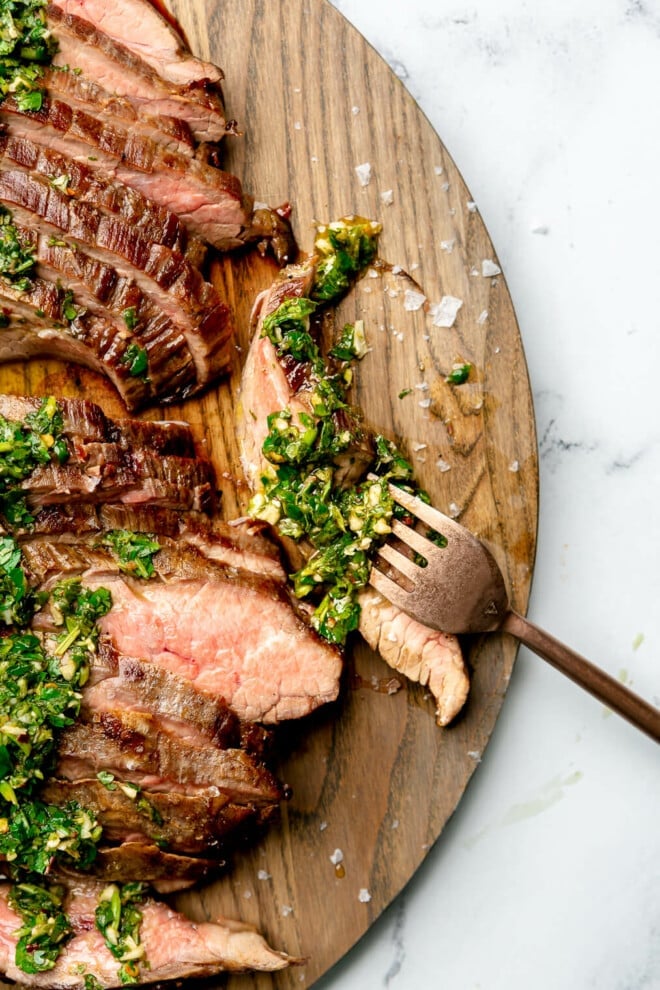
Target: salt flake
(337, 857)
(489, 268)
(364, 896)
(454, 510)
(514, 467)
(323, 826)
(355, 111)
(447, 246)
(438, 170)
(286, 910)
(443, 314)
(483, 316)
(387, 197)
(413, 300)
(263, 875)
(472, 206)
(363, 173)
(424, 403)
(442, 465)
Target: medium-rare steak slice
(209, 201)
(127, 684)
(135, 748)
(193, 824)
(227, 631)
(174, 947)
(270, 384)
(145, 32)
(85, 94)
(119, 70)
(163, 275)
(92, 186)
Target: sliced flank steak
(194, 97)
(174, 947)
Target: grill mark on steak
(166, 276)
(120, 70)
(175, 947)
(93, 186)
(211, 202)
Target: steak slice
(145, 32)
(163, 275)
(135, 748)
(85, 94)
(145, 861)
(209, 201)
(36, 328)
(192, 824)
(93, 186)
(175, 947)
(228, 632)
(84, 424)
(120, 70)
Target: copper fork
(460, 589)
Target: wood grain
(371, 775)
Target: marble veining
(548, 874)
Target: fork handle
(608, 690)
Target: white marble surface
(548, 875)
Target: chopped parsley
(345, 248)
(17, 259)
(26, 46)
(352, 343)
(45, 926)
(459, 374)
(130, 318)
(118, 918)
(23, 447)
(136, 358)
(134, 552)
(404, 392)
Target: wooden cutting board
(372, 775)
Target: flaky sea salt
(443, 314)
(447, 246)
(419, 446)
(442, 465)
(297, 125)
(472, 206)
(337, 857)
(438, 170)
(323, 826)
(363, 173)
(424, 403)
(514, 467)
(396, 269)
(422, 386)
(387, 197)
(413, 300)
(263, 875)
(286, 910)
(364, 896)
(445, 187)
(454, 510)
(355, 111)
(395, 823)
(489, 268)
(483, 316)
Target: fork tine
(403, 564)
(414, 539)
(389, 589)
(432, 517)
